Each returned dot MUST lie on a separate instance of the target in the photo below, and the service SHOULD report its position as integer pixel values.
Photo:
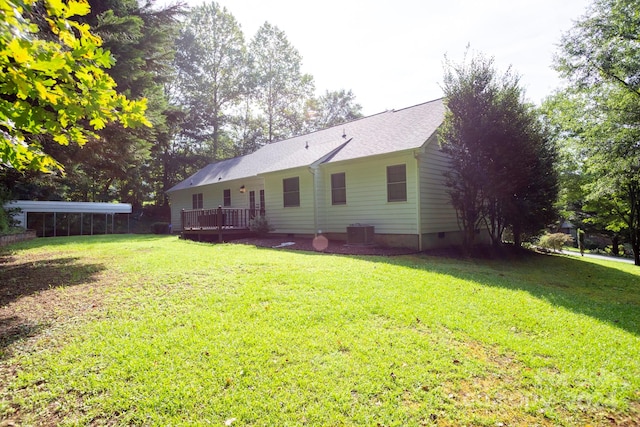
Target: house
(567, 227)
(381, 174)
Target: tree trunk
(469, 230)
(634, 221)
(517, 236)
(615, 245)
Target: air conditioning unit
(360, 234)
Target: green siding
(366, 187)
(297, 219)
(437, 214)
(213, 196)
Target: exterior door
(262, 207)
(252, 204)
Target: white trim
(27, 206)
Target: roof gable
(383, 133)
(392, 131)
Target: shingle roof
(388, 132)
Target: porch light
(243, 189)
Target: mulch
(323, 246)
(505, 252)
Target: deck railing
(208, 219)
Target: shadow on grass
(14, 329)
(18, 280)
(30, 277)
(608, 294)
(71, 240)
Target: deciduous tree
(502, 163)
(211, 75)
(600, 56)
(281, 89)
(54, 84)
(331, 109)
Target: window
(196, 201)
(397, 183)
(226, 198)
(291, 192)
(252, 201)
(338, 189)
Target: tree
(141, 40)
(331, 109)
(603, 48)
(564, 117)
(211, 75)
(54, 84)
(501, 160)
(121, 163)
(246, 129)
(281, 89)
(600, 57)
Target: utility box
(360, 234)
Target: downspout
(313, 169)
(416, 155)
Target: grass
(151, 330)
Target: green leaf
(80, 8)
(61, 139)
(97, 123)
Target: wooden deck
(217, 224)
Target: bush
(260, 226)
(4, 221)
(591, 245)
(7, 221)
(8, 224)
(161, 228)
(554, 241)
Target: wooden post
(219, 218)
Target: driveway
(603, 257)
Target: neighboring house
(384, 170)
(567, 227)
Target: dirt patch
(40, 291)
(40, 295)
(323, 246)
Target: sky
(391, 54)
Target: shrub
(554, 241)
(161, 228)
(8, 224)
(7, 221)
(4, 221)
(591, 245)
(260, 226)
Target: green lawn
(148, 330)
